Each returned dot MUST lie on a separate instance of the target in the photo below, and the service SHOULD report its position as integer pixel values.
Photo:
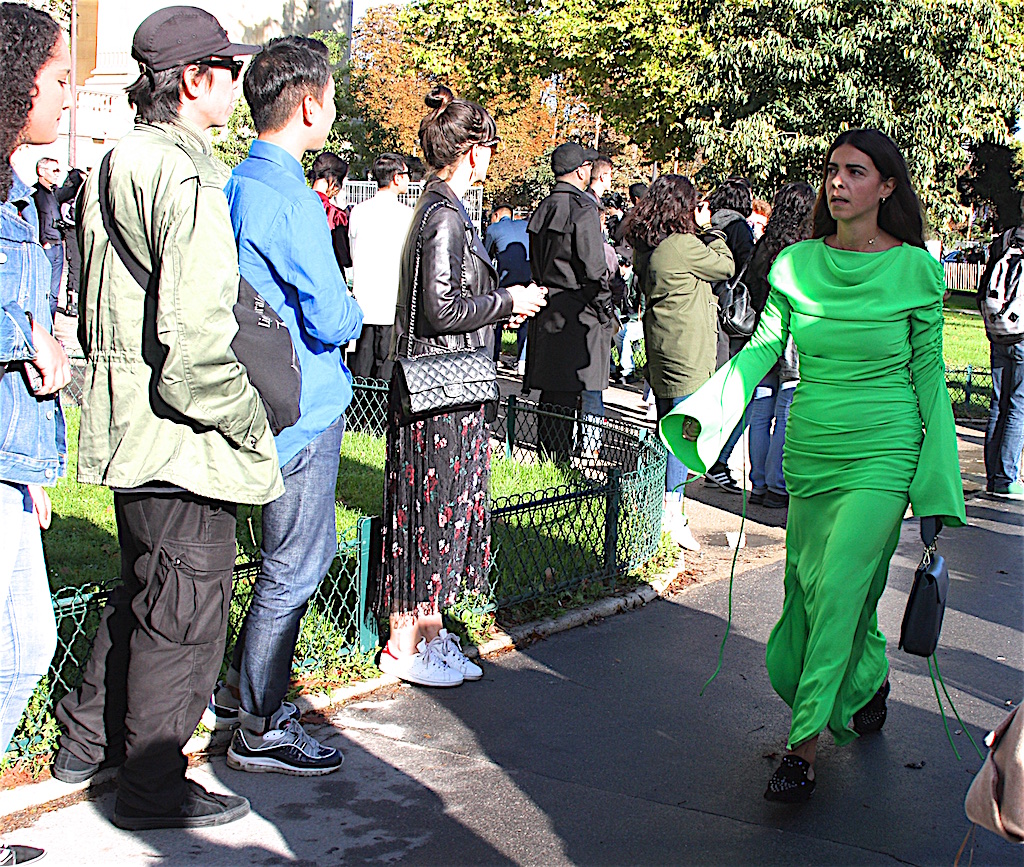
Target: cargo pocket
(190, 594)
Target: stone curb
(34, 795)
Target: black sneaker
(70, 769)
(773, 500)
(286, 749)
(13, 855)
(200, 809)
(719, 475)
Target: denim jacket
(32, 448)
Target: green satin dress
(870, 428)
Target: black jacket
(756, 280)
(457, 289)
(48, 204)
(569, 343)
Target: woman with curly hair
(790, 221)
(34, 69)
(437, 532)
(871, 429)
(676, 268)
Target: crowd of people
(173, 422)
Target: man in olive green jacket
(170, 422)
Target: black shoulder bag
(441, 381)
(262, 345)
(926, 605)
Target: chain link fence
(602, 521)
(970, 390)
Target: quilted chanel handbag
(926, 605)
(441, 381)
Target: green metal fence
(605, 521)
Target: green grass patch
(963, 337)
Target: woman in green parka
(676, 267)
(870, 428)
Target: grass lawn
(963, 335)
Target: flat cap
(178, 35)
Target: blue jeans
(56, 256)
(299, 544)
(630, 333)
(675, 469)
(28, 631)
(592, 409)
(770, 402)
(1004, 436)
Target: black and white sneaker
(719, 475)
(11, 856)
(287, 749)
(221, 713)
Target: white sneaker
(679, 529)
(424, 668)
(449, 648)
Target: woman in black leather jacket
(436, 512)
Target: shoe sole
(254, 765)
(153, 823)
(74, 777)
(407, 679)
(1006, 495)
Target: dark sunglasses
(229, 63)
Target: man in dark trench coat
(568, 349)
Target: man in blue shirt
(285, 252)
(508, 245)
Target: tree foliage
(755, 88)
(994, 183)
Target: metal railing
(355, 192)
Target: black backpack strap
(135, 268)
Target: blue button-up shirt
(507, 242)
(33, 447)
(285, 252)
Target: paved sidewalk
(594, 746)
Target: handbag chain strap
(416, 279)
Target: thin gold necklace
(871, 243)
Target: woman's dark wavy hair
(27, 40)
(900, 214)
(791, 218)
(667, 209)
(733, 194)
(452, 127)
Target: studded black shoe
(871, 717)
(790, 784)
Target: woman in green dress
(870, 428)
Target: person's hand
(702, 214)
(527, 300)
(40, 505)
(51, 362)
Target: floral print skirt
(437, 524)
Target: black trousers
(370, 360)
(159, 647)
(555, 434)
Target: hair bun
(439, 97)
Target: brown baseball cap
(178, 35)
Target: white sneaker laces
(451, 646)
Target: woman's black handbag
(262, 345)
(736, 316)
(441, 381)
(922, 620)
